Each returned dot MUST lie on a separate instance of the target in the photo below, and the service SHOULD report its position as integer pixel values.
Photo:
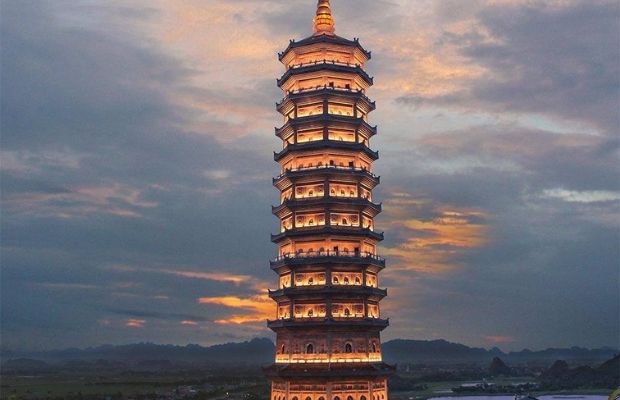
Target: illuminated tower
(327, 321)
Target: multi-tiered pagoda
(327, 321)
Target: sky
(137, 141)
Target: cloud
(428, 235)
(574, 196)
(556, 60)
(498, 339)
(137, 166)
(135, 323)
(259, 308)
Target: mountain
(253, 352)
(434, 351)
(444, 352)
(560, 376)
(260, 352)
(498, 367)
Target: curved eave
(352, 370)
(325, 120)
(325, 66)
(329, 323)
(334, 39)
(327, 230)
(365, 177)
(323, 93)
(343, 291)
(326, 203)
(325, 145)
(361, 260)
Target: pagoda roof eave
(334, 39)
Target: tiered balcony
(328, 256)
(302, 358)
(326, 145)
(325, 119)
(344, 290)
(324, 92)
(360, 203)
(286, 178)
(333, 66)
(327, 322)
(313, 40)
(336, 370)
(343, 230)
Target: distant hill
(261, 351)
(442, 351)
(253, 352)
(560, 377)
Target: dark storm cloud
(550, 259)
(98, 172)
(559, 61)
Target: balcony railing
(329, 143)
(330, 88)
(327, 229)
(329, 288)
(292, 322)
(328, 253)
(326, 168)
(339, 66)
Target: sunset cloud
(135, 323)
(497, 339)
(431, 245)
(259, 308)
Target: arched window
(321, 398)
(347, 312)
(283, 349)
(311, 222)
(335, 280)
(348, 348)
(309, 348)
(310, 313)
(311, 193)
(349, 397)
(357, 280)
(374, 347)
(342, 191)
(346, 280)
(295, 398)
(363, 398)
(310, 281)
(308, 398)
(336, 398)
(344, 221)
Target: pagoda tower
(327, 321)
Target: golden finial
(323, 21)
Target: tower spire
(323, 21)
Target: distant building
(328, 321)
